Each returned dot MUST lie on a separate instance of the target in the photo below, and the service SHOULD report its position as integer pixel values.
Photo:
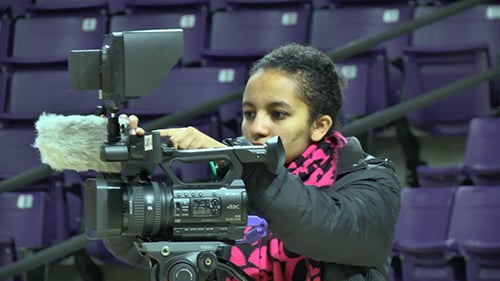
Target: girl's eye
(279, 115)
(248, 114)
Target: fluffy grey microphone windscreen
(73, 142)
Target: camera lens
(144, 210)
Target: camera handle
(187, 261)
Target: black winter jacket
(349, 228)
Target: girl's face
(272, 107)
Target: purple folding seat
(476, 26)
(26, 217)
(471, 250)
(440, 176)
(474, 229)
(334, 27)
(481, 160)
(33, 92)
(422, 225)
(194, 24)
(46, 40)
(367, 84)
(427, 69)
(37, 74)
(480, 164)
(245, 32)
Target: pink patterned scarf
(268, 259)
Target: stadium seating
(476, 26)
(49, 39)
(33, 92)
(465, 245)
(427, 69)
(481, 159)
(474, 229)
(32, 207)
(480, 166)
(266, 26)
(422, 224)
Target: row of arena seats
(398, 70)
(446, 229)
(480, 166)
(15, 8)
(448, 234)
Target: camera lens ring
(145, 209)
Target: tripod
(187, 261)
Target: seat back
(32, 92)
(264, 29)
(423, 222)
(475, 208)
(334, 27)
(48, 39)
(428, 69)
(16, 208)
(367, 84)
(473, 226)
(425, 214)
(481, 160)
(476, 26)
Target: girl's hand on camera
(180, 138)
(133, 124)
(189, 138)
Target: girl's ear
(320, 127)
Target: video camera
(179, 227)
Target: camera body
(131, 203)
(165, 212)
